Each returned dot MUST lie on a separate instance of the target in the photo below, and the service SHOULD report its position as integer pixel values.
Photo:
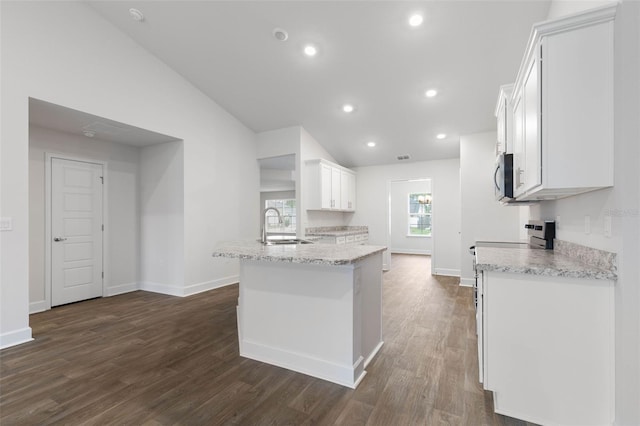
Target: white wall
(399, 239)
(622, 204)
(483, 218)
(64, 53)
(567, 7)
(162, 218)
(122, 216)
(372, 207)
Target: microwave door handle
(495, 177)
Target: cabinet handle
(519, 173)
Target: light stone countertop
(317, 254)
(538, 262)
(335, 233)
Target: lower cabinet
(546, 347)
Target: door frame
(49, 156)
(388, 221)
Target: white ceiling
(56, 117)
(368, 56)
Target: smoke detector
(280, 34)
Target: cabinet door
(518, 145)
(325, 186)
(335, 189)
(501, 127)
(348, 191)
(532, 145)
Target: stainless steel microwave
(503, 177)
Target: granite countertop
(317, 254)
(539, 262)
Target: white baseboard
(15, 337)
(210, 285)
(467, 282)
(171, 290)
(174, 290)
(447, 272)
(410, 251)
(39, 306)
(121, 289)
(345, 375)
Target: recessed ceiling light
(310, 50)
(348, 108)
(415, 20)
(136, 15)
(431, 93)
(280, 34)
(441, 136)
(371, 144)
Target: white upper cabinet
(504, 120)
(562, 106)
(329, 186)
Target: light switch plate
(6, 224)
(607, 226)
(587, 224)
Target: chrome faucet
(264, 219)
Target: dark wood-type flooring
(149, 359)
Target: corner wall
(483, 218)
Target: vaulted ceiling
(367, 56)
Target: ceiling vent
(403, 157)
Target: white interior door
(76, 231)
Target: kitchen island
(311, 308)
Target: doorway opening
(410, 226)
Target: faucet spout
(263, 238)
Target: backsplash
(595, 257)
(336, 229)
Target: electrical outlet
(6, 224)
(607, 226)
(587, 224)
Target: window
(419, 214)
(287, 209)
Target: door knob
(59, 239)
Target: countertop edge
(550, 272)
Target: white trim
(121, 289)
(344, 375)
(39, 306)
(447, 272)
(210, 285)
(410, 251)
(49, 156)
(373, 354)
(170, 290)
(15, 337)
(467, 282)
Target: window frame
(426, 214)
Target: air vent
(403, 157)
(105, 128)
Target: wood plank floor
(149, 359)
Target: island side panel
(369, 279)
(300, 317)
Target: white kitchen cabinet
(329, 186)
(547, 348)
(563, 108)
(504, 118)
(348, 190)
